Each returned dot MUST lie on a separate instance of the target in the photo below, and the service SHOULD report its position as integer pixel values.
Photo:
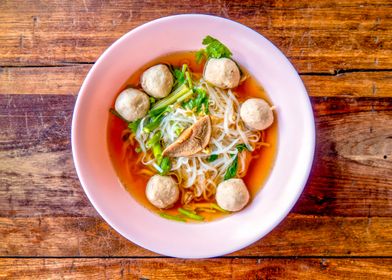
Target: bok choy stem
(170, 99)
(189, 80)
(157, 152)
(165, 165)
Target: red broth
(128, 169)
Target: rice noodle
(197, 177)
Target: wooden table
(340, 228)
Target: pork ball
(256, 114)
(222, 72)
(157, 81)
(132, 104)
(232, 195)
(162, 191)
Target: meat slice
(194, 139)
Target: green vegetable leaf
(189, 104)
(212, 158)
(156, 118)
(179, 76)
(200, 102)
(153, 123)
(134, 125)
(208, 40)
(152, 100)
(215, 49)
(242, 147)
(201, 94)
(231, 172)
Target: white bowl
(294, 154)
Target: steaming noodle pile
(192, 135)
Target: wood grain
(42, 203)
(351, 170)
(350, 176)
(42, 80)
(261, 268)
(356, 84)
(340, 228)
(297, 235)
(318, 36)
(68, 79)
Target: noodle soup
(233, 151)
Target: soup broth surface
(128, 170)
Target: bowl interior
(98, 178)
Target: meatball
(132, 104)
(162, 191)
(256, 114)
(222, 72)
(232, 195)
(157, 81)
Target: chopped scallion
(165, 165)
(157, 152)
(209, 205)
(190, 215)
(171, 217)
(188, 78)
(154, 139)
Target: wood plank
(68, 79)
(318, 36)
(35, 144)
(365, 84)
(297, 235)
(43, 80)
(128, 268)
(351, 170)
(350, 175)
